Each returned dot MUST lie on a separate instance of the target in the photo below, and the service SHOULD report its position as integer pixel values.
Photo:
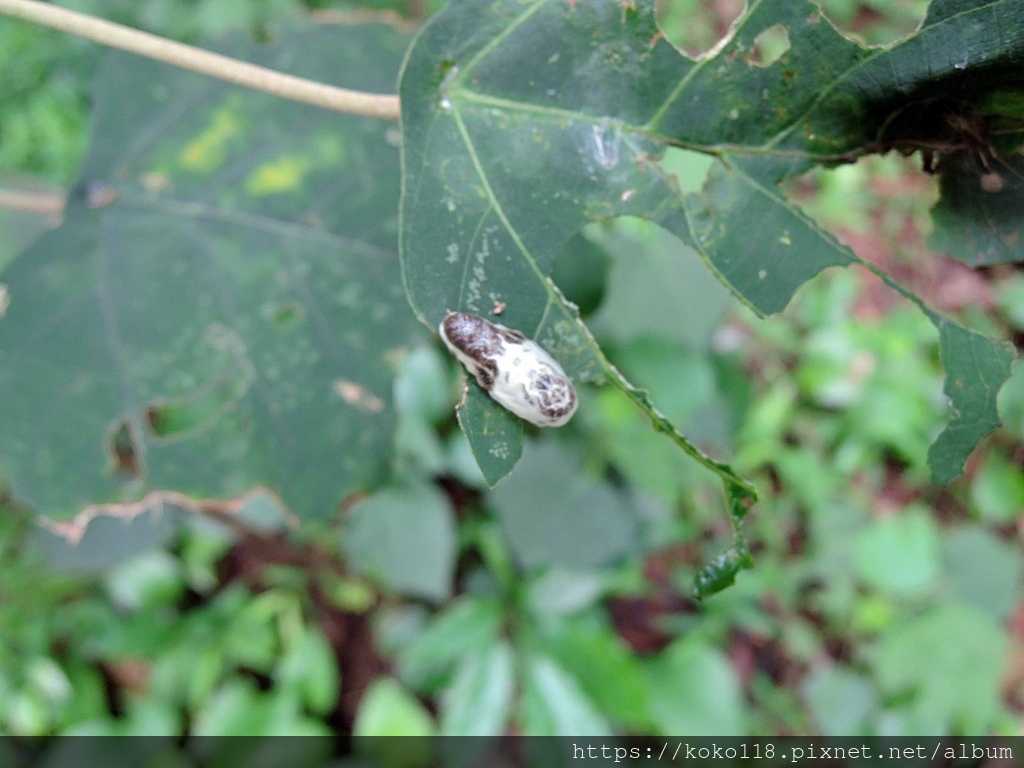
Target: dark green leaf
(983, 571)
(494, 434)
(976, 368)
(216, 310)
(523, 122)
(978, 218)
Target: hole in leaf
(180, 416)
(874, 23)
(769, 46)
(170, 419)
(286, 314)
(581, 268)
(124, 452)
(227, 379)
(445, 68)
(696, 28)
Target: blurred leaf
(108, 540)
(236, 709)
(983, 571)
(309, 666)
(977, 219)
(899, 554)
(390, 710)
(423, 386)
(479, 701)
(28, 208)
(997, 490)
(645, 458)
(150, 579)
(533, 120)
(694, 691)
(251, 637)
(405, 539)
(221, 296)
(949, 660)
(839, 700)
(559, 591)
(553, 704)
(467, 626)
(1009, 296)
(554, 514)
(149, 717)
(658, 287)
(680, 380)
(607, 671)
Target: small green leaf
(839, 700)
(235, 709)
(694, 691)
(495, 434)
(467, 626)
(722, 571)
(899, 554)
(479, 701)
(554, 704)
(405, 538)
(151, 579)
(949, 660)
(553, 514)
(388, 709)
(309, 666)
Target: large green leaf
(524, 121)
(27, 209)
(216, 311)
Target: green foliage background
(557, 602)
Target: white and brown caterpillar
(516, 371)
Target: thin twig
(114, 35)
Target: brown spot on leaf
(358, 396)
(123, 450)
